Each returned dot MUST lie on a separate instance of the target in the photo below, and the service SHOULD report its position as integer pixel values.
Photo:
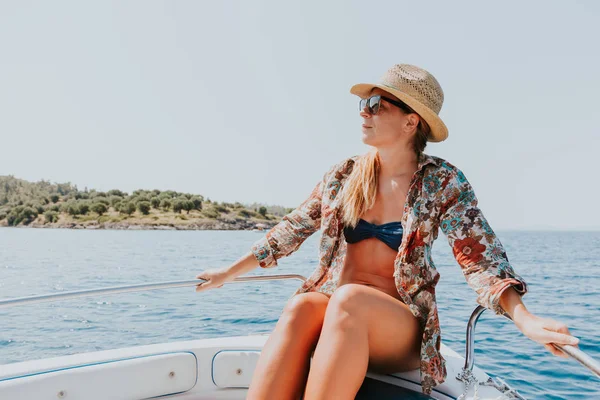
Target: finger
(551, 349)
(558, 351)
(555, 351)
(560, 338)
(202, 278)
(203, 286)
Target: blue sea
(561, 268)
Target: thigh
(394, 333)
(302, 319)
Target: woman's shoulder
(447, 174)
(343, 166)
(443, 175)
(442, 165)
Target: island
(62, 205)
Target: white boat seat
(131, 378)
(234, 368)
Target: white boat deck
(219, 368)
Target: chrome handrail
(572, 351)
(133, 288)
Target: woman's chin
(367, 139)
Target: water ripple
(561, 269)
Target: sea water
(561, 268)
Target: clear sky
(249, 100)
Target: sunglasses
(372, 103)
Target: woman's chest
(390, 199)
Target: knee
(348, 298)
(305, 310)
(346, 309)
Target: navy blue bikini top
(390, 233)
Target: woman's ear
(412, 121)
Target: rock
(165, 227)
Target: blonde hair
(360, 189)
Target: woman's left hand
(547, 331)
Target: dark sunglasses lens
(374, 104)
(361, 104)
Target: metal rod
(581, 357)
(572, 351)
(469, 353)
(132, 288)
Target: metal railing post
(467, 373)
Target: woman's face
(390, 125)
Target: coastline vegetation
(45, 204)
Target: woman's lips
(365, 126)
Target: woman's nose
(364, 113)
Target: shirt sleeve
(294, 228)
(476, 248)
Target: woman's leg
(282, 368)
(364, 328)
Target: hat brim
(439, 131)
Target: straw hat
(417, 88)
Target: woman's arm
(545, 331)
(280, 241)
(486, 268)
(475, 246)
(294, 228)
(215, 278)
(510, 301)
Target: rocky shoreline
(228, 225)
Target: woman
(370, 304)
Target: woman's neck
(397, 162)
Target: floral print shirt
(439, 196)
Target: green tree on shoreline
(23, 202)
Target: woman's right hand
(215, 278)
